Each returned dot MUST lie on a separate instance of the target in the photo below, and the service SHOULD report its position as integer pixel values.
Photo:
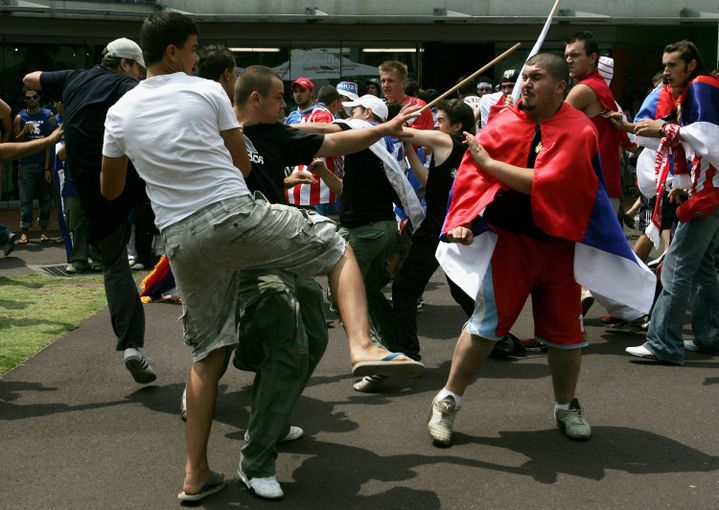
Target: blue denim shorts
(207, 250)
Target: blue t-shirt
(41, 127)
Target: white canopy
(318, 64)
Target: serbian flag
(568, 200)
(659, 104)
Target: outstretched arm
(439, 142)
(355, 140)
(15, 150)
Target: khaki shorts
(208, 249)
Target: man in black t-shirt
(87, 95)
(295, 343)
(453, 118)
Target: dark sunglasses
(30, 98)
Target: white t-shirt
(169, 126)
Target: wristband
(671, 131)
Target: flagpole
(535, 49)
(473, 75)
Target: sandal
(23, 239)
(44, 238)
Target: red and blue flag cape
(568, 200)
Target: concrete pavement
(77, 432)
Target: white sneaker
(572, 422)
(641, 352)
(370, 383)
(268, 488)
(293, 435)
(138, 365)
(441, 420)
(689, 345)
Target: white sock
(561, 407)
(445, 393)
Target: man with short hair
(87, 95)
(688, 274)
(212, 226)
(34, 172)
(454, 117)
(303, 95)
(592, 96)
(393, 76)
(535, 201)
(218, 64)
(312, 190)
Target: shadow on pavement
(617, 448)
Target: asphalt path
(77, 432)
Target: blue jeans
(688, 276)
(31, 180)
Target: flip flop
(215, 484)
(387, 366)
(44, 238)
(23, 239)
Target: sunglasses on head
(30, 98)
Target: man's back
(87, 95)
(169, 126)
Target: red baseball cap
(304, 83)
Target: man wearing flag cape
(530, 216)
(689, 149)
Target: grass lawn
(36, 309)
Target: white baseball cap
(378, 107)
(124, 48)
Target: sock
(561, 407)
(445, 393)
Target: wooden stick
(472, 76)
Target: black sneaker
(138, 365)
(10, 246)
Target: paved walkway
(77, 432)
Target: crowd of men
(514, 195)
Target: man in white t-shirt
(211, 224)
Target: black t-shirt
(87, 95)
(512, 210)
(367, 195)
(273, 147)
(439, 183)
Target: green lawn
(36, 309)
